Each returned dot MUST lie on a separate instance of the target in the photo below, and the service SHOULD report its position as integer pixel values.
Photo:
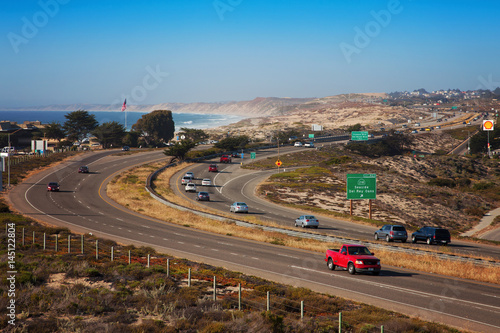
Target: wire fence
(221, 289)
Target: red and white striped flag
(124, 106)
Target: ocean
(189, 120)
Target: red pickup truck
(354, 258)
(225, 159)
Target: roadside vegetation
(412, 189)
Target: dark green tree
(110, 133)
(195, 135)
(233, 143)
(355, 127)
(131, 139)
(79, 124)
(157, 126)
(54, 130)
(180, 149)
(479, 142)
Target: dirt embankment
(449, 191)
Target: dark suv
(391, 232)
(431, 235)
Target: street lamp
(8, 157)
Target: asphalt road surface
(83, 206)
(233, 183)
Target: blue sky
(75, 51)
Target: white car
(305, 221)
(206, 182)
(309, 145)
(298, 144)
(190, 187)
(189, 174)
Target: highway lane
(82, 206)
(234, 183)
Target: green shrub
(443, 182)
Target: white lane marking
(215, 250)
(180, 242)
(234, 254)
(496, 296)
(119, 219)
(255, 258)
(222, 243)
(392, 287)
(285, 255)
(101, 213)
(129, 230)
(230, 180)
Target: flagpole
(124, 108)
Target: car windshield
(53, 184)
(354, 250)
(240, 204)
(309, 217)
(398, 228)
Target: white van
(6, 149)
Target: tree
(79, 124)
(180, 149)
(233, 143)
(131, 139)
(157, 126)
(110, 133)
(195, 135)
(54, 130)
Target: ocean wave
(189, 122)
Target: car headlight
(359, 262)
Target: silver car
(391, 233)
(305, 221)
(239, 207)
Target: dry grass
(128, 190)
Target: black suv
(391, 232)
(431, 235)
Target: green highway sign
(359, 135)
(311, 136)
(361, 186)
(252, 155)
(454, 107)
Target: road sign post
(361, 186)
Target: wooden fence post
(268, 301)
(215, 289)
(239, 296)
